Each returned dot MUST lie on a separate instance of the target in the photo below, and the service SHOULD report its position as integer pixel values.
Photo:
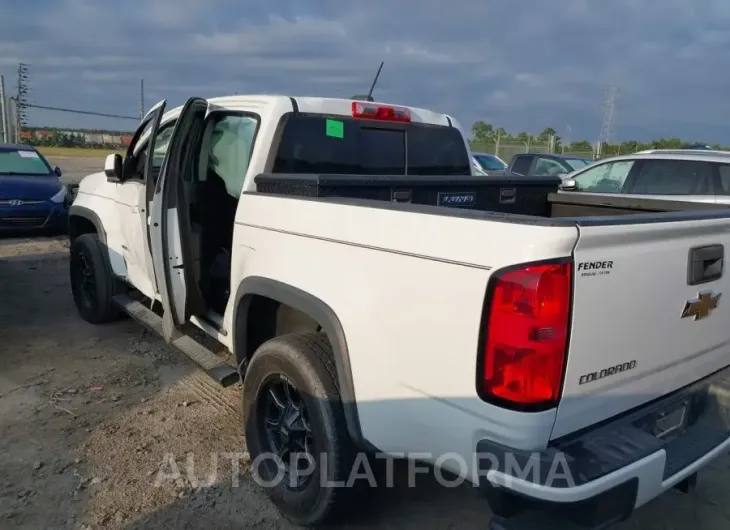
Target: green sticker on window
(335, 129)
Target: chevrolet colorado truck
(338, 259)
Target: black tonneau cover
(508, 194)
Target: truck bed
(516, 195)
(573, 204)
(635, 265)
(520, 196)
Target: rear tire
(92, 281)
(303, 363)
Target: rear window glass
(521, 165)
(673, 177)
(321, 145)
(724, 170)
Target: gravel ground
(88, 413)
(75, 167)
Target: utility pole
(609, 118)
(21, 100)
(4, 121)
(141, 99)
(568, 130)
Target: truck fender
(116, 261)
(317, 310)
(89, 215)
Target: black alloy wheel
(286, 432)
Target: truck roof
(316, 105)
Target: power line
(88, 113)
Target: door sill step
(213, 365)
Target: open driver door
(169, 223)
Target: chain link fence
(506, 150)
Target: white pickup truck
(373, 295)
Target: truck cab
(180, 256)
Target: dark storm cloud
(524, 65)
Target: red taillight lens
(527, 334)
(373, 111)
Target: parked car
(541, 164)
(412, 313)
(488, 164)
(669, 174)
(32, 197)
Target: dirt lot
(88, 413)
(76, 167)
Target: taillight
(526, 335)
(373, 111)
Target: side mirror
(113, 166)
(568, 185)
(57, 171)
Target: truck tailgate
(640, 328)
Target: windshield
(577, 163)
(490, 162)
(318, 144)
(21, 161)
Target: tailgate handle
(507, 195)
(401, 196)
(705, 264)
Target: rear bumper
(600, 475)
(45, 216)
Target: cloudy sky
(520, 64)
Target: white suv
(670, 174)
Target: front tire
(292, 408)
(92, 281)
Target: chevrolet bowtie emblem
(701, 306)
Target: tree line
(486, 133)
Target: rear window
(673, 177)
(521, 165)
(577, 163)
(724, 170)
(318, 144)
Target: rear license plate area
(669, 421)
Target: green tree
(545, 135)
(482, 131)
